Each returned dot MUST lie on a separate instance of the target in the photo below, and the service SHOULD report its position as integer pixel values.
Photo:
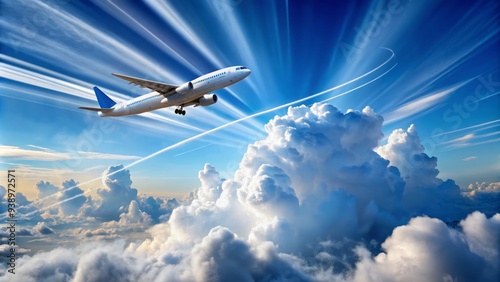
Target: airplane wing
(162, 88)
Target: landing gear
(180, 111)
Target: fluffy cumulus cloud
(485, 195)
(135, 215)
(85, 262)
(43, 229)
(23, 207)
(69, 191)
(46, 189)
(116, 197)
(221, 256)
(116, 194)
(427, 250)
(316, 200)
(159, 209)
(324, 160)
(115, 209)
(482, 234)
(424, 193)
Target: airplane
(192, 93)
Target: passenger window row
(205, 79)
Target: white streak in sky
(44, 154)
(421, 104)
(489, 96)
(174, 19)
(74, 26)
(195, 149)
(470, 158)
(178, 144)
(171, 51)
(460, 140)
(467, 145)
(469, 127)
(70, 91)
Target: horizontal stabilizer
(104, 110)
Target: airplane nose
(247, 72)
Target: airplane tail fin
(104, 101)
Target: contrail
(180, 143)
(196, 149)
(465, 128)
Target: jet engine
(207, 100)
(185, 88)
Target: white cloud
(483, 186)
(42, 228)
(40, 148)
(103, 156)
(482, 236)
(463, 138)
(427, 250)
(424, 192)
(209, 177)
(460, 142)
(94, 234)
(44, 154)
(69, 190)
(103, 264)
(484, 197)
(19, 153)
(116, 195)
(471, 158)
(3, 191)
(5, 251)
(135, 216)
(421, 104)
(301, 201)
(46, 189)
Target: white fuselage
(201, 86)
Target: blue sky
(368, 133)
(444, 78)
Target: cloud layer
(316, 200)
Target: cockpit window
(237, 68)
(243, 68)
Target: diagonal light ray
(489, 96)
(174, 18)
(467, 145)
(362, 85)
(195, 149)
(178, 144)
(117, 49)
(469, 127)
(421, 104)
(170, 50)
(71, 91)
